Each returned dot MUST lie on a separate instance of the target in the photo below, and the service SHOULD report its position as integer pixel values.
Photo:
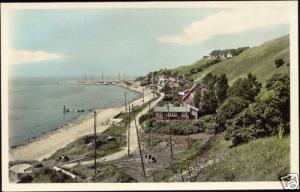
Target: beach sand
(46, 145)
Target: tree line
(239, 111)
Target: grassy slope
(187, 68)
(265, 159)
(257, 60)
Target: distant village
(178, 87)
(225, 54)
(178, 103)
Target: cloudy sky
(131, 41)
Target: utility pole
(143, 95)
(95, 150)
(149, 134)
(170, 130)
(85, 76)
(128, 131)
(127, 124)
(102, 77)
(119, 77)
(137, 134)
(152, 84)
(188, 131)
(125, 103)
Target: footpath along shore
(133, 140)
(46, 145)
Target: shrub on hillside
(246, 88)
(208, 124)
(145, 117)
(47, 175)
(228, 110)
(267, 116)
(279, 62)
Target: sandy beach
(45, 145)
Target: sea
(36, 104)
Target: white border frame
(292, 5)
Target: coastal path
(133, 140)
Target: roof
(182, 109)
(187, 92)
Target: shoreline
(72, 130)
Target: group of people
(150, 158)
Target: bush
(145, 117)
(265, 117)
(25, 178)
(279, 62)
(113, 173)
(228, 110)
(194, 71)
(47, 175)
(208, 124)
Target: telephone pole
(152, 83)
(140, 150)
(95, 150)
(170, 130)
(143, 95)
(126, 123)
(128, 131)
(149, 134)
(188, 131)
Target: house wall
(165, 116)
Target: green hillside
(257, 60)
(265, 159)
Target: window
(172, 114)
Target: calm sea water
(36, 104)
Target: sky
(130, 41)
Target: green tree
(268, 116)
(278, 97)
(229, 109)
(208, 103)
(205, 98)
(213, 92)
(209, 80)
(221, 87)
(247, 88)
